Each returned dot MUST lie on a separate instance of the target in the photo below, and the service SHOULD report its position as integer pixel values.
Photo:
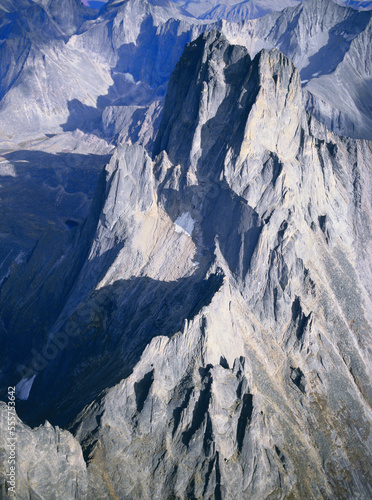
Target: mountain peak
(210, 78)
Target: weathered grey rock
(327, 43)
(107, 74)
(49, 462)
(41, 80)
(248, 9)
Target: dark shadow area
(82, 117)
(225, 216)
(95, 4)
(177, 412)
(36, 290)
(244, 419)
(237, 226)
(75, 172)
(299, 319)
(200, 413)
(298, 378)
(142, 389)
(43, 192)
(281, 456)
(70, 223)
(224, 363)
(218, 489)
(112, 327)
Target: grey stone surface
(266, 392)
(49, 462)
(326, 42)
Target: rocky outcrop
(326, 42)
(248, 9)
(41, 81)
(50, 464)
(106, 73)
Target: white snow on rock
(185, 224)
(23, 388)
(129, 78)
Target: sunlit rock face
(326, 42)
(51, 465)
(222, 303)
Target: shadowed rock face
(221, 309)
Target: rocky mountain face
(36, 68)
(213, 314)
(249, 9)
(317, 35)
(75, 82)
(57, 471)
(236, 10)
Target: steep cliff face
(226, 293)
(339, 109)
(322, 39)
(40, 77)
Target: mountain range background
(216, 6)
(185, 258)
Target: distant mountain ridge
(111, 79)
(249, 9)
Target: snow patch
(21, 257)
(184, 224)
(23, 388)
(129, 78)
(7, 169)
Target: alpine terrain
(186, 257)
